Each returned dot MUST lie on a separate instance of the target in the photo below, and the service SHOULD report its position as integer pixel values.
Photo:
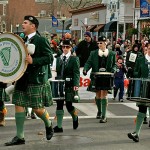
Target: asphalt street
(90, 135)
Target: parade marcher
(68, 69)
(33, 89)
(29, 112)
(141, 70)
(131, 58)
(85, 47)
(3, 110)
(100, 59)
(119, 78)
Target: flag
(54, 22)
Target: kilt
(3, 96)
(69, 95)
(36, 96)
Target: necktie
(63, 67)
(25, 39)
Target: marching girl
(99, 60)
(68, 69)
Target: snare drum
(103, 80)
(57, 87)
(139, 90)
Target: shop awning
(110, 26)
(98, 27)
(91, 28)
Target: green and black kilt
(35, 96)
(91, 86)
(69, 95)
(3, 96)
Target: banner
(144, 8)
(54, 22)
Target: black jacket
(83, 50)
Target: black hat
(32, 19)
(102, 38)
(66, 42)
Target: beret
(32, 19)
(66, 42)
(102, 38)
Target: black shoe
(149, 124)
(15, 141)
(33, 116)
(75, 124)
(57, 129)
(49, 132)
(145, 121)
(98, 115)
(103, 120)
(121, 100)
(133, 136)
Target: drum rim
(26, 53)
(139, 79)
(102, 73)
(53, 80)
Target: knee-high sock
(104, 107)
(99, 104)
(20, 118)
(139, 122)
(74, 114)
(59, 114)
(45, 118)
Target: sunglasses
(99, 43)
(66, 46)
(120, 63)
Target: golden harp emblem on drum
(5, 55)
(12, 57)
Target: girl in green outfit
(100, 59)
(68, 69)
(141, 70)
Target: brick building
(16, 9)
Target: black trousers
(60, 104)
(142, 109)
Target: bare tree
(75, 4)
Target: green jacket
(39, 71)
(72, 69)
(141, 69)
(93, 60)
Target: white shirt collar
(101, 53)
(31, 35)
(67, 55)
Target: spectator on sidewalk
(85, 47)
(119, 78)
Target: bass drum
(13, 53)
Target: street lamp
(63, 18)
(17, 27)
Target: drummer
(141, 70)
(33, 89)
(100, 60)
(68, 69)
